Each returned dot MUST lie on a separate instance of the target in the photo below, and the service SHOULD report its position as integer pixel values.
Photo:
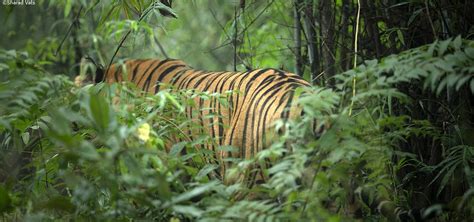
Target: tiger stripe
(266, 95)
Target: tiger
(266, 95)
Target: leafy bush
(99, 152)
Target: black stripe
(252, 79)
(275, 89)
(236, 113)
(286, 111)
(264, 121)
(178, 76)
(204, 76)
(215, 107)
(257, 93)
(222, 82)
(163, 74)
(148, 68)
(245, 75)
(232, 105)
(249, 82)
(240, 111)
(117, 70)
(188, 80)
(135, 70)
(262, 110)
(201, 111)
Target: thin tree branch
(160, 46)
(259, 14)
(297, 36)
(74, 22)
(435, 35)
(230, 39)
(354, 80)
(251, 22)
(126, 35)
(235, 38)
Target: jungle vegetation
(393, 86)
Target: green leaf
(457, 43)
(25, 137)
(67, 8)
(3, 66)
(434, 77)
(176, 148)
(173, 101)
(452, 80)
(445, 66)
(164, 189)
(414, 15)
(448, 174)
(227, 148)
(432, 48)
(194, 192)
(441, 86)
(188, 210)
(469, 52)
(436, 209)
(206, 170)
(400, 36)
(88, 151)
(164, 10)
(443, 46)
(461, 82)
(100, 111)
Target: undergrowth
(99, 152)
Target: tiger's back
(266, 95)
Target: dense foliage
(97, 152)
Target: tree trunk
(370, 17)
(327, 28)
(344, 34)
(297, 36)
(313, 54)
